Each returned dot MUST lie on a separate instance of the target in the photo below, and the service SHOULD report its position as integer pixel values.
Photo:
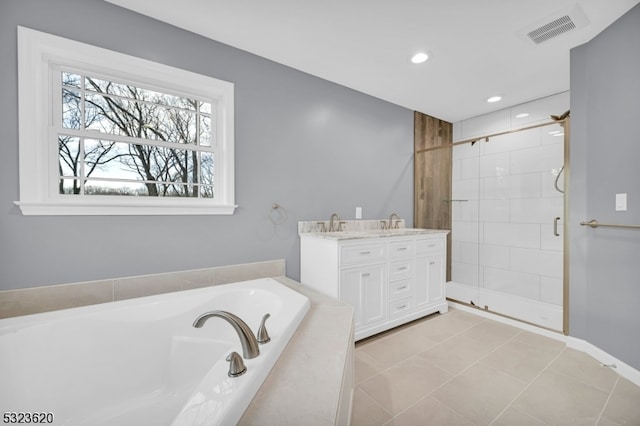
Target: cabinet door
(375, 298)
(429, 280)
(350, 291)
(364, 288)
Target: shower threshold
(535, 312)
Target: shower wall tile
(486, 124)
(525, 185)
(540, 109)
(469, 253)
(494, 210)
(456, 212)
(513, 235)
(468, 189)
(512, 282)
(548, 241)
(552, 135)
(494, 256)
(469, 168)
(548, 183)
(465, 232)
(551, 290)
(536, 210)
(456, 250)
(464, 273)
(466, 151)
(495, 165)
(457, 131)
(547, 263)
(511, 142)
(495, 187)
(542, 159)
(466, 211)
(512, 186)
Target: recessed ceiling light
(494, 99)
(522, 115)
(420, 57)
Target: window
(106, 133)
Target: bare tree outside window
(146, 143)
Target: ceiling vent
(552, 29)
(555, 25)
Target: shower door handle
(555, 226)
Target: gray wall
(312, 146)
(605, 157)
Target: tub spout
(263, 335)
(248, 341)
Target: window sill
(137, 208)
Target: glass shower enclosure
(507, 211)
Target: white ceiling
(477, 49)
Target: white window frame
(39, 55)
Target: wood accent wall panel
(432, 176)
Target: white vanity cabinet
(390, 280)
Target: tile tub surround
(64, 296)
(312, 381)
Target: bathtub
(141, 361)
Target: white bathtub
(141, 361)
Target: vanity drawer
(399, 307)
(362, 253)
(430, 245)
(399, 249)
(400, 288)
(400, 269)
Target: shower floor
(532, 311)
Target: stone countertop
(304, 386)
(378, 233)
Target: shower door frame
(565, 123)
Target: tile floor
(462, 369)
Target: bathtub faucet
(248, 341)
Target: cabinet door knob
(366, 274)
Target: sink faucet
(248, 341)
(334, 218)
(391, 221)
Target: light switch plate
(358, 212)
(621, 202)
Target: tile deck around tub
(462, 369)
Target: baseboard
(620, 367)
(581, 345)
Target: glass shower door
(465, 227)
(518, 225)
